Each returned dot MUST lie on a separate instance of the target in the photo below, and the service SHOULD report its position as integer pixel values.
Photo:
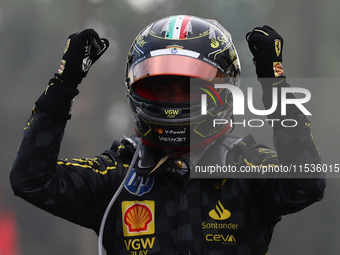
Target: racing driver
(138, 195)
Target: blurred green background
(32, 36)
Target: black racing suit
(168, 213)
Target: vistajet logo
(239, 105)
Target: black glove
(81, 51)
(266, 46)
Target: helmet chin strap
(102, 225)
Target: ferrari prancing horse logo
(277, 47)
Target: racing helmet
(182, 50)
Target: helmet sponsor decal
(170, 131)
(138, 218)
(174, 51)
(171, 113)
(232, 54)
(214, 44)
(171, 135)
(177, 139)
(139, 185)
(159, 130)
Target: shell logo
(277, 66)
(159, 130)
(138, 217)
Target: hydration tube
(113, 199)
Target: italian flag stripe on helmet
(178, 27)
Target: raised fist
(266, 46)
(82, 50)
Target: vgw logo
(238, 104)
